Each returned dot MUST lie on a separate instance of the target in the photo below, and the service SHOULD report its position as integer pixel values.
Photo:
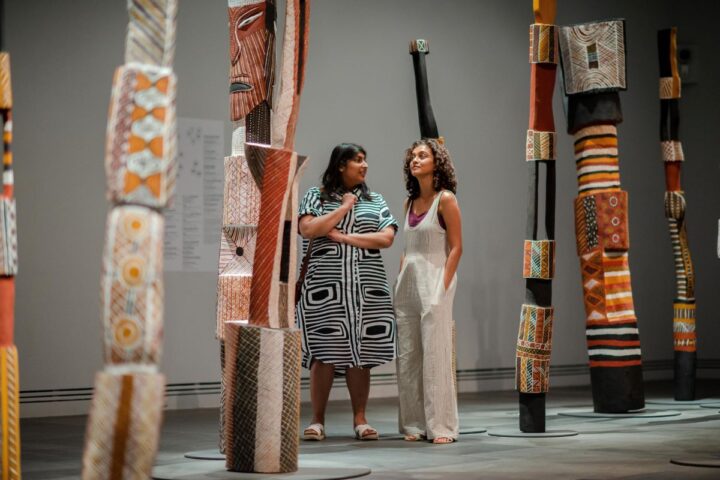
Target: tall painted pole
(532, 369)
(684, 337)
(593, 66)
(260, 344)
(123, 428)
(9, 368)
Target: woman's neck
(427, 189)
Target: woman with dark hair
(424, 295)
(345, 310)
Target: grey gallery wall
(359, 88)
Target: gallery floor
(604, 449)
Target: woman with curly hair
(424, 296)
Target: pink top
(414, 220)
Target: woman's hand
(336, 235)
(348, 201)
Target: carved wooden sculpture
(256, 309)
(124, 424)
(532, 368)
(684, 338)
(593, 65)
(251, 77)
(9, 374)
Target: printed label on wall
(192, 224)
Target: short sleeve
(386, 217)
(311, 204)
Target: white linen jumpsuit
(423, 309)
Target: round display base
(212, 470)
(711, 405)
(472, 430)
(711, 462)
(645, 413)
(205, 455)
(669, 401)
(513, 432)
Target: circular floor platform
(711, 405)
(213, 470)
(515, 433)
(669, 401)
(205, 455)
(646, 413)
(472, 430)
(708, 462)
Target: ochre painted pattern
(252, 58)
(533, 349)
(539, 259)
(684, 336)
(7, 311)
(672, 151)
(151, 32)
(618, 288)
(8, 237)
(132, 289)
(141, 136)
(540, 145)
(596, 158)
(6, 99)
(593, 56)
(10, 413)
(276, 185)
(670, 88)
(294, 59)
(123, 426)
(543, 43)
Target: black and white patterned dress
(345, 310)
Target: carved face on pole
(252, 39)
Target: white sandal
(361, 430)
(314, 431)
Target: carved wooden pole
(252, 75)
(9, 373)
(532, 369)
(262, 352)
(593, 65)
(684, 338)
(419, 49)
(125, 416)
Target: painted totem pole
(684, 339)
(593, 66)
(532, 363)
(261, 347)
(9, 373)
(252, 78)
(125, 417)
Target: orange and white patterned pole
(123, 428)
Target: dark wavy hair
(332, 183)
(444, 174)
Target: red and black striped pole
(684, 337)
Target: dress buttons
(616, 238)
(613, 201)
(615, 221)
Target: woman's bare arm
(314, 227)
(382, 239)
(450, 211)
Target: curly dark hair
(444, 174)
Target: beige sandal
(414, 437)
(443, 440)
(366, 432)
(314, 431)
